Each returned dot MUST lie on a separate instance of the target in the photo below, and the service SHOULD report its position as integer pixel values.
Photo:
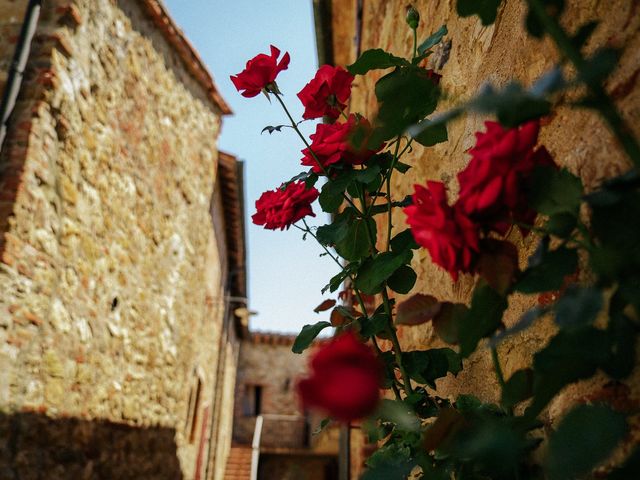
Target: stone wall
(266, 360)
(112, 288)
(577, 139)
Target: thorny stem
(397, 350)
(603, 102)
(294, 125)
(389, 207)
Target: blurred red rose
(260, 71)
(333, 143)
(493, 185)
(345, 379)
(449, 235)
(435, 77)
(280, 208)
(327, 93)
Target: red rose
(327, 93)
(332, 143)
(260, 71)
(449, 235)
(345, 379)
(280, 208)
(492, 186)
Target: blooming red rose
(493, 185)
(280, 208)
(332, 143)
(345, 379)
(327, 93)
(449, 235)
(260, 71)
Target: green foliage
(482, 319)
(426, 366)
(355, 243)
(518, 388)
(307, 336)
(487, 10)
(432, 40)
(585, 437)
(406, 96)
(402, 280)
(570, 356)
(375, 59)
(374, 271)
(555, 191)
(547, 269)
(430, 133)
(533, 22)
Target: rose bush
(583, 269)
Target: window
(252, 401)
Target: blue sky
(285, 274)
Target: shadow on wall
(34, 446)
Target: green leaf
(402, 280)
(308, 335)
(391, 461)
(578, 306)
(375, 59)
(561, 225)
(335, 281)
(518, 388)
(487, 10)
(406, 97)
(355, 244)
(555, 191)
(585, 437)
(366, 175)
(433, 39)
(323, 424)
(403, 241)
(431, 134)
(482, 319)
(375, 271)
(331, 195)
(548, 272)
(571, 355)
(426, 366)
(374, 326)
(329, 235)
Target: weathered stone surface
(107, 244)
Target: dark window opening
(252, 401)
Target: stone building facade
(266, 387)
(575, 138)
(121, 250)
